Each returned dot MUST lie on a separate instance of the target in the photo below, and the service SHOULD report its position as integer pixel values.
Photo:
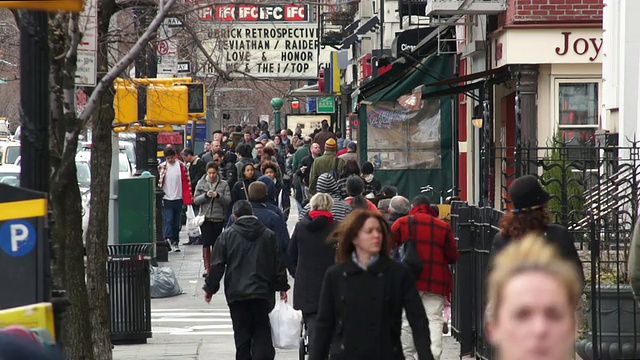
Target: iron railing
(594, 193)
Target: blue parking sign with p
(17, 237)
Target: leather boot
(206, 257)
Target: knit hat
(527, 194)
(326, 184)
(352, 146)
(367, 168)
(257, 191)
(330, 145)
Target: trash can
(129, 293)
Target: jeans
(252, 330)
(171, 216)
(434, 306)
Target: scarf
(317, 213)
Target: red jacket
(187, 199)
(436, 247)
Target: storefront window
(399, 138)
(578, 111)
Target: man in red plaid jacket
(437, 249)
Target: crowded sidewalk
(185, 327)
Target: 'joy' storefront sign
(548, 46)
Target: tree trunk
(66, 233)
(98, 233)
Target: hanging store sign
(255, 13)
(263, 51)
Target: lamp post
(276, 104)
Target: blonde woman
(533, 297)
(311, 255)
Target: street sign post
(24, 255)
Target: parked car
(126, 169)
(9, 152)
(10, 175)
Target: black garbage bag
(164, 282)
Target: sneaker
(176, 246)
(445, 328)
(169, 244)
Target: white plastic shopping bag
(193, 228)
(286, 326)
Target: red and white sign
(255, 13)
(364, 67)
(169, 138)
(163, 47)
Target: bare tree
(86, 330)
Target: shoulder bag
(409, 253)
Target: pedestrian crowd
(349, 252)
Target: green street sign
(326, 105)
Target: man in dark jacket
(324, 135)
(196, 168)
(272, 220)
(227, 164)
(249, 254)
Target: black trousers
(252, 330)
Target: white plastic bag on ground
(164, 282)
(286, 325)
(193, 228)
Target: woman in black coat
(363, 296)
(530, 215)
(311, 255)
(241, 188)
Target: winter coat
(360, 313)
(435, 246)
(327, 185)
(187, 198)
(296, 158)
(322, 137)
(240, 190)
(324, 164)
(213, 208)
(228, 170)
(249, 255)
(350, 156)
(555, 234)
(196, 171)
(310, 255)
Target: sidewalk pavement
(186, 327)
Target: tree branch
(121, 65)
(216, 67)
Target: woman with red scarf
(311, 254)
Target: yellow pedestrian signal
(125, 104)
(153, 103)
(167, 105)
(51, 5)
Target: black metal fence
(594, 193)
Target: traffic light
(197, 103)
(125, 104)
(157, 102)
(167, 104)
